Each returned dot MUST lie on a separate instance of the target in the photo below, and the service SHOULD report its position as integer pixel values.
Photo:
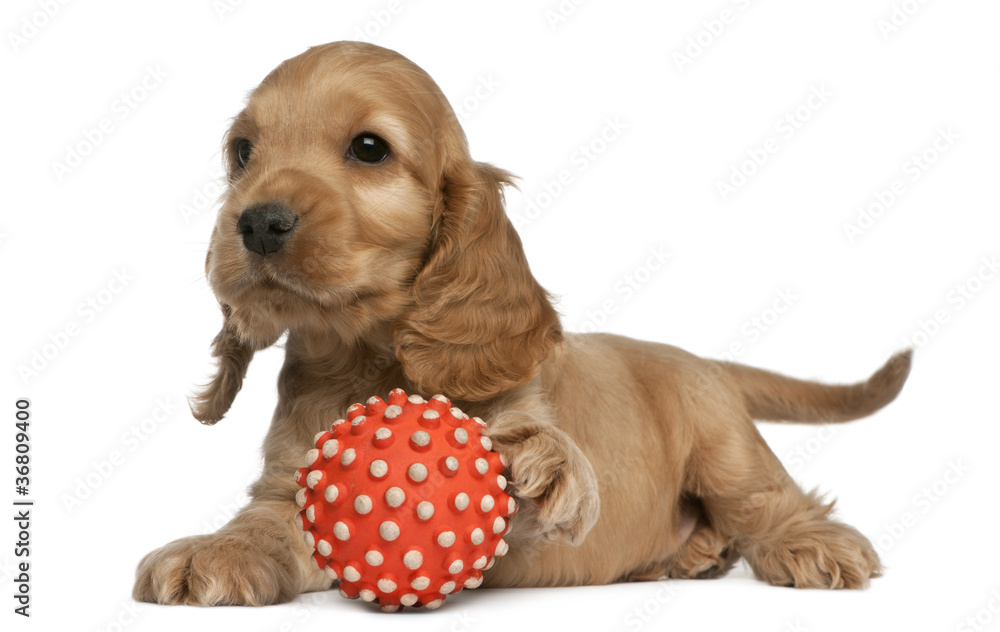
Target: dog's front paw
(550, 471)
(214, 570)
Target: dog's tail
(774, 397)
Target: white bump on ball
(441, 398)
(357, 421)
(386, 585)
(395, 496)
(324, 548)
(415, 399)
(479, 421)
(430, 414)
(315, 564)
(362, 504)
(373, 400)
(408, 599)
(417, 472)
(487, 444)
(347, 457)
(499, 525)
(420, 438)
(313, 478)
(300, 497)
(343, 593)
(425, 510)
(392, 412)
(367, 594)
(501, 547)
(489, 565)
(389, 530)
(486, 503)
(504, 461)
(342, 532)
(413, 559)
(311, 513)
(330, 493)
(482, 466)
(446, 538)
(420, 583)
(311, 457)
(458, 414)
(337, 423)
(330, 448)
(461, 501)
(351, 574)
(309, 539)
(298, 521)
(434, 605)
(474, 582)
(449, 586)
(451, 463)
(501, 481)
(378, 468)
(461, 435)
(374, 558)
(389, 607)
(511, 505)
(332, 574)
(456, 567)
(477, 536)
(383, 434)
(480, 563)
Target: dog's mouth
(271, 289)
(268, 287)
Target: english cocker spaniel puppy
(356, 222)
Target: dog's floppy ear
(233, 357)
(480, 323)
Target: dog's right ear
(233, 357)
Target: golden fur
(633, 460)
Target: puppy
(356, 222)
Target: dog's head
(354, 207)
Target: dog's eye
(243, 152)
(369, 148)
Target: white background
(137, 204)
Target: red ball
(404, 501)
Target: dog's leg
(785, 534)
(705, 553)
(549, 470)
(258, 558)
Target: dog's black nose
(266, 227)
